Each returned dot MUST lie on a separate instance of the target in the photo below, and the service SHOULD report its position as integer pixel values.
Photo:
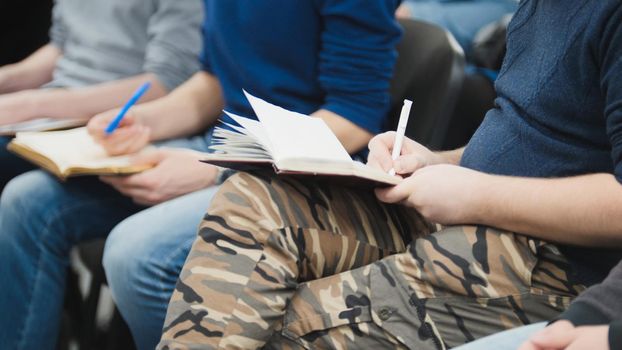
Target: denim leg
(41, 219)
(508, 340)
(10, 164)
(462, 18)
(143, 257)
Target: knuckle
(152, 183)
(153, 197)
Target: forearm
(584, 210)
(86, 102)
(32, 72)
(451, 157)
(352, 137)
(189, 109)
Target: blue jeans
(41, 219)
(508, 340)
(462, 18)
(10, 164)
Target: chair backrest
(430, 72)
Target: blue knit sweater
(305, 55)
(559, 106)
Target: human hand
(414, 155)
(403, 11)
(176, 172)
(131, 135)
(445, 194)
(18, 106)
(563, 335)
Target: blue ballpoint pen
(114, 124)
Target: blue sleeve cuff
(584, 314)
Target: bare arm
(79, 103)
(584, 210)
(186, 111)
(451, 157)
(30, 73)
(189, 109)
(352, 136)
(85, 102)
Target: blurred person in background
(99, 53)
(463, 18)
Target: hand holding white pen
(401, 130)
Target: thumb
(557, 336)
(99, 123)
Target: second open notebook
(292, 143)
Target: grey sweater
(599, 305)
(105, 40)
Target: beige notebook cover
(292, 144)
(70, 153)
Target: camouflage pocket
(337, 312)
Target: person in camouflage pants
(391, 279)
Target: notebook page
(297, 136)
(255, 129)
(71, 148)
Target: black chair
(82, 325)
(430, 72)
(476, 99)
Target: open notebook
(41, 124)
(291, 143)
(70, 153)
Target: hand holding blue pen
(114, 124)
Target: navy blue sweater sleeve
(203, 57)
(358, 54)
(611, 80)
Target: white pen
(401, 129)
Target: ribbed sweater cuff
(615, 335)
(584, 314)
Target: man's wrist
(145, 114)
(483, 199)
(449, 157)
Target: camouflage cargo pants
(284, 264)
